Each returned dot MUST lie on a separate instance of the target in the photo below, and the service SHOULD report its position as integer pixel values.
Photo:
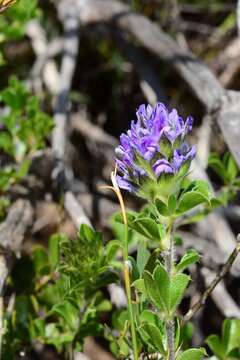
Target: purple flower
(162, 167)
(125, 184)
(182, 155)
(153, 146)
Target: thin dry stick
(196, 307)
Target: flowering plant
(152, 162)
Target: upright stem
(169, 262)
(128, 292)
(126, 266)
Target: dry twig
(219, 277)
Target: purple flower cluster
(154, 148)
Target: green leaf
(140, 286)
(40, 261)
(6, 143)
(23, 169)
(230, 336)
(192, 354)
(190, 200)
(162, 208)
(232, 169)
(216, 164)
(152, 291)
(152, 335)
(123, 347)
(153, 260)
(134, 269)
(69, 312)
(157, 286)
(152, 318)
(162, 283)
(140, 223)
(172, 203)
(112, 248)
(53, 249)
(143, 256)
(217, 201)
(188, 259)
(37, 328)
(146, 227)
(119, 319)
(200, 186)
(187, 333)
(215, 345)
(178, 286)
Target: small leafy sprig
(24, 130)
(61, 300)
(226, 347)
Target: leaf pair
(144, 225)
(164, 292)
(192, 354)
(152, 331)
(196, 193)
(228, 346)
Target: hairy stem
(170, 325)
(170, 335)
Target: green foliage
(64, 287)
(192, 354)
(164, 292)
(228, 346)
(144, 225)
(26, 125)
(25, 131)
(84, 261)
(14, 21)
(225, 168)
(196, 193)
(152, 331)
(188, 259)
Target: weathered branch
(199, 78)
(67, 13)
(219, 277)
(223, 104)
(13, 229)
(220, 296)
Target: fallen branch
(223, 105)
(219, 277)
(75, 210)
(67, 14)
(44, 64)
(221, 297)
